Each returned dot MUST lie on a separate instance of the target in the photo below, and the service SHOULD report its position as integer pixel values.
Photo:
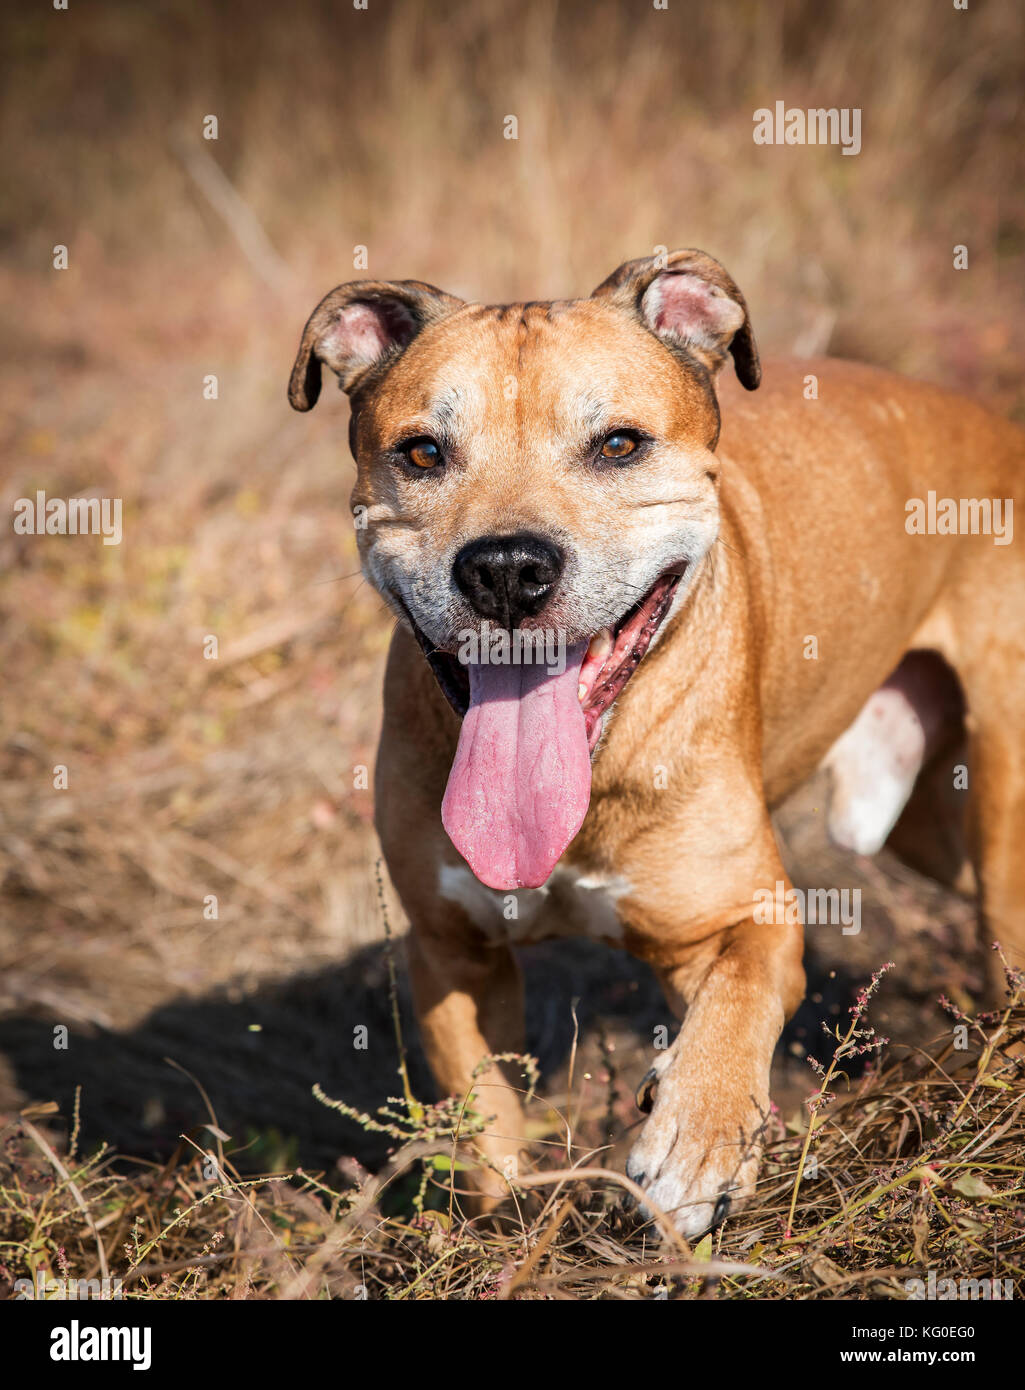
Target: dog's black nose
(508, 578)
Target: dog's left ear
(689, 301)
(360, 327)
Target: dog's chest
(569, 904)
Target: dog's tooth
(581, 692)
(600, 644)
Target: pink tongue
(521, 779)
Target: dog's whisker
(670, 502)
(335, 579)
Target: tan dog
(726, 613)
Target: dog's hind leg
(991, 664)
(880, 765)
(997, 823)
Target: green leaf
(441, 1163)
(971, 1185)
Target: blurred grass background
(341, 128)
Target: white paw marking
(687, 1172)
(700, 1144)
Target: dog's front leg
(469, 1003)
(709, 1092)
(466, 983)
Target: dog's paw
(697, 1155)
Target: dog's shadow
(257, 1058)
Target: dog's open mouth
(614, 654)
(520, 782)
(611, 658)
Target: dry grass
(917, 1168)
(235, 777)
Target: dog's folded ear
(360, 326)
(689, 301)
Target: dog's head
(529, 472)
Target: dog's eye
(618, 445)
(424, 453)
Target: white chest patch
(569, 904)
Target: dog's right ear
(359, 327)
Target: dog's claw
(645, 1097)
(630, 1202)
